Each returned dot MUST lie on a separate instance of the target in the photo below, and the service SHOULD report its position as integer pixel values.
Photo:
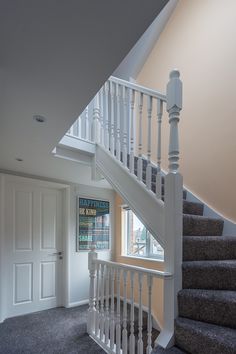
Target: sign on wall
(93, 224)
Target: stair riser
(216, 278)
(200, 341)
(209, 310)
(195, 249)
(193, 226)
(192, 208)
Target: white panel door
(33, 246)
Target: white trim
(77, 303)
(143, 258)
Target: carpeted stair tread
(193, 208)
(209, 248)
(204, 338)
(194, 225)
(218, 275)
(212, 306)
(173, 350)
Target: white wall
(75, 263)
(78, 261)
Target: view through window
(138, 240)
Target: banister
(146, 271)
(138, 88)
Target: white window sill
(144, 258)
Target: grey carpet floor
(60, 330)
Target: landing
(60, 330)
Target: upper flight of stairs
(207, 302)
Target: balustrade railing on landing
(120, 119)
(108, 320)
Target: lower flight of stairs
(207, 302)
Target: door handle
(56, 254)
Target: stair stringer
(143, 202)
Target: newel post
(173, 213)
(92, 255)
(96, 123)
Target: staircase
(200, 277)
(206, 323)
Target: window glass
(138, 241)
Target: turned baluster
(96, 120)
(132, 336)
(91, 311)
(149, 144)
(149, 328)
(158, 175)
(97, 303)
(140, 143)
(118, 137)
(102, 315)
(107, 319)
(125, 131)
(131, 158)
(124, 331)
(140, 317)
(106, 97)
(118, 326)
(102, 119)
(112, 321)
(112, 136)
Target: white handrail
(156, 273)
(138, 88)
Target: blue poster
(93, 224)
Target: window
(138, 242)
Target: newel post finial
(174, 106)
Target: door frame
(66, 190)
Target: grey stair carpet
(213, 306)
(204, 338)
(215, 275)
(173, 350)
(192, 208)
(199, 248)
(60, 330)
(195, 225)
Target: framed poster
(93, 224)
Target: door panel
(23, 291)
(33, 240)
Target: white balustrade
(112, 333)
(121, 119)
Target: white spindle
(124, 331)
(140, 317)
(132, 336)
(107, 319)
(102, 120)
(102, 316)
(149, 329)
(118, 327)
(131, 157)
(96, 120)
(112, 134)
(97, 303)
(112, 320)
(140, 143)
(118, 121)
(92, 311)
(87, 132)
(106, 137)
(158, 175)
(149, 144)
(125, 131)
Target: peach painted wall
(157, 308)
(199, 40)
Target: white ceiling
(55, 55)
